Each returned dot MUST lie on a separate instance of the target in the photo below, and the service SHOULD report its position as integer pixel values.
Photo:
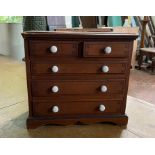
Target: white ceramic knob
(54, 49)
(108, 50)
(55, 89)
(55, 69)
(55, 109)
(105, 69)
(104, 88)
(102, 107)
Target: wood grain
(80, 58)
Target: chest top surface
(70, 34)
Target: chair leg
(153, 65)
(140, 61)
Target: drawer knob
(104, 88)
(108, 50)
(55, 89)
(55, 69)
(55, 109)
(101, 107)
(54, 49)
(105, 69)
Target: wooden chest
(77, 77)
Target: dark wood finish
(28, 75)
(80, 67)
(79, 77)
(34, 122)
(88, 21)
(80, 97)
(43, 50)
(103, 29)
(96, 49)
(78, 36)
(77, 108)
(72, 87)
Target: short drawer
(59, 108)
(106, 49)
(53, 49)
(48, 88)
(78, 68)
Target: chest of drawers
(75, 78)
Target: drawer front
(66, 87)
(106, 49)
(78, 68)
(53, 49)
(57, 108)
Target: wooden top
(103, 29)
(72, 34)
(151, 50)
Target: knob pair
(55, 69)
(55, 89)
(54, 49)
(55, 109)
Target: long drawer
(59, 108)
(41, 88)
(78, 68)
(106, 49)
(53, 49)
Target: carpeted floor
(14, 110)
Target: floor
(142, 86)
(14, 110)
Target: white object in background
(68, 21)
(108, 50)
(104, 88)
(105, 69)
(11, 41)
(55, 109)
(102, 107)
(54, 49)
(55, 69)
(126, 23)
(55, 89)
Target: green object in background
(75, 21)
(114, 21)
(37, 23)
(11, 19)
